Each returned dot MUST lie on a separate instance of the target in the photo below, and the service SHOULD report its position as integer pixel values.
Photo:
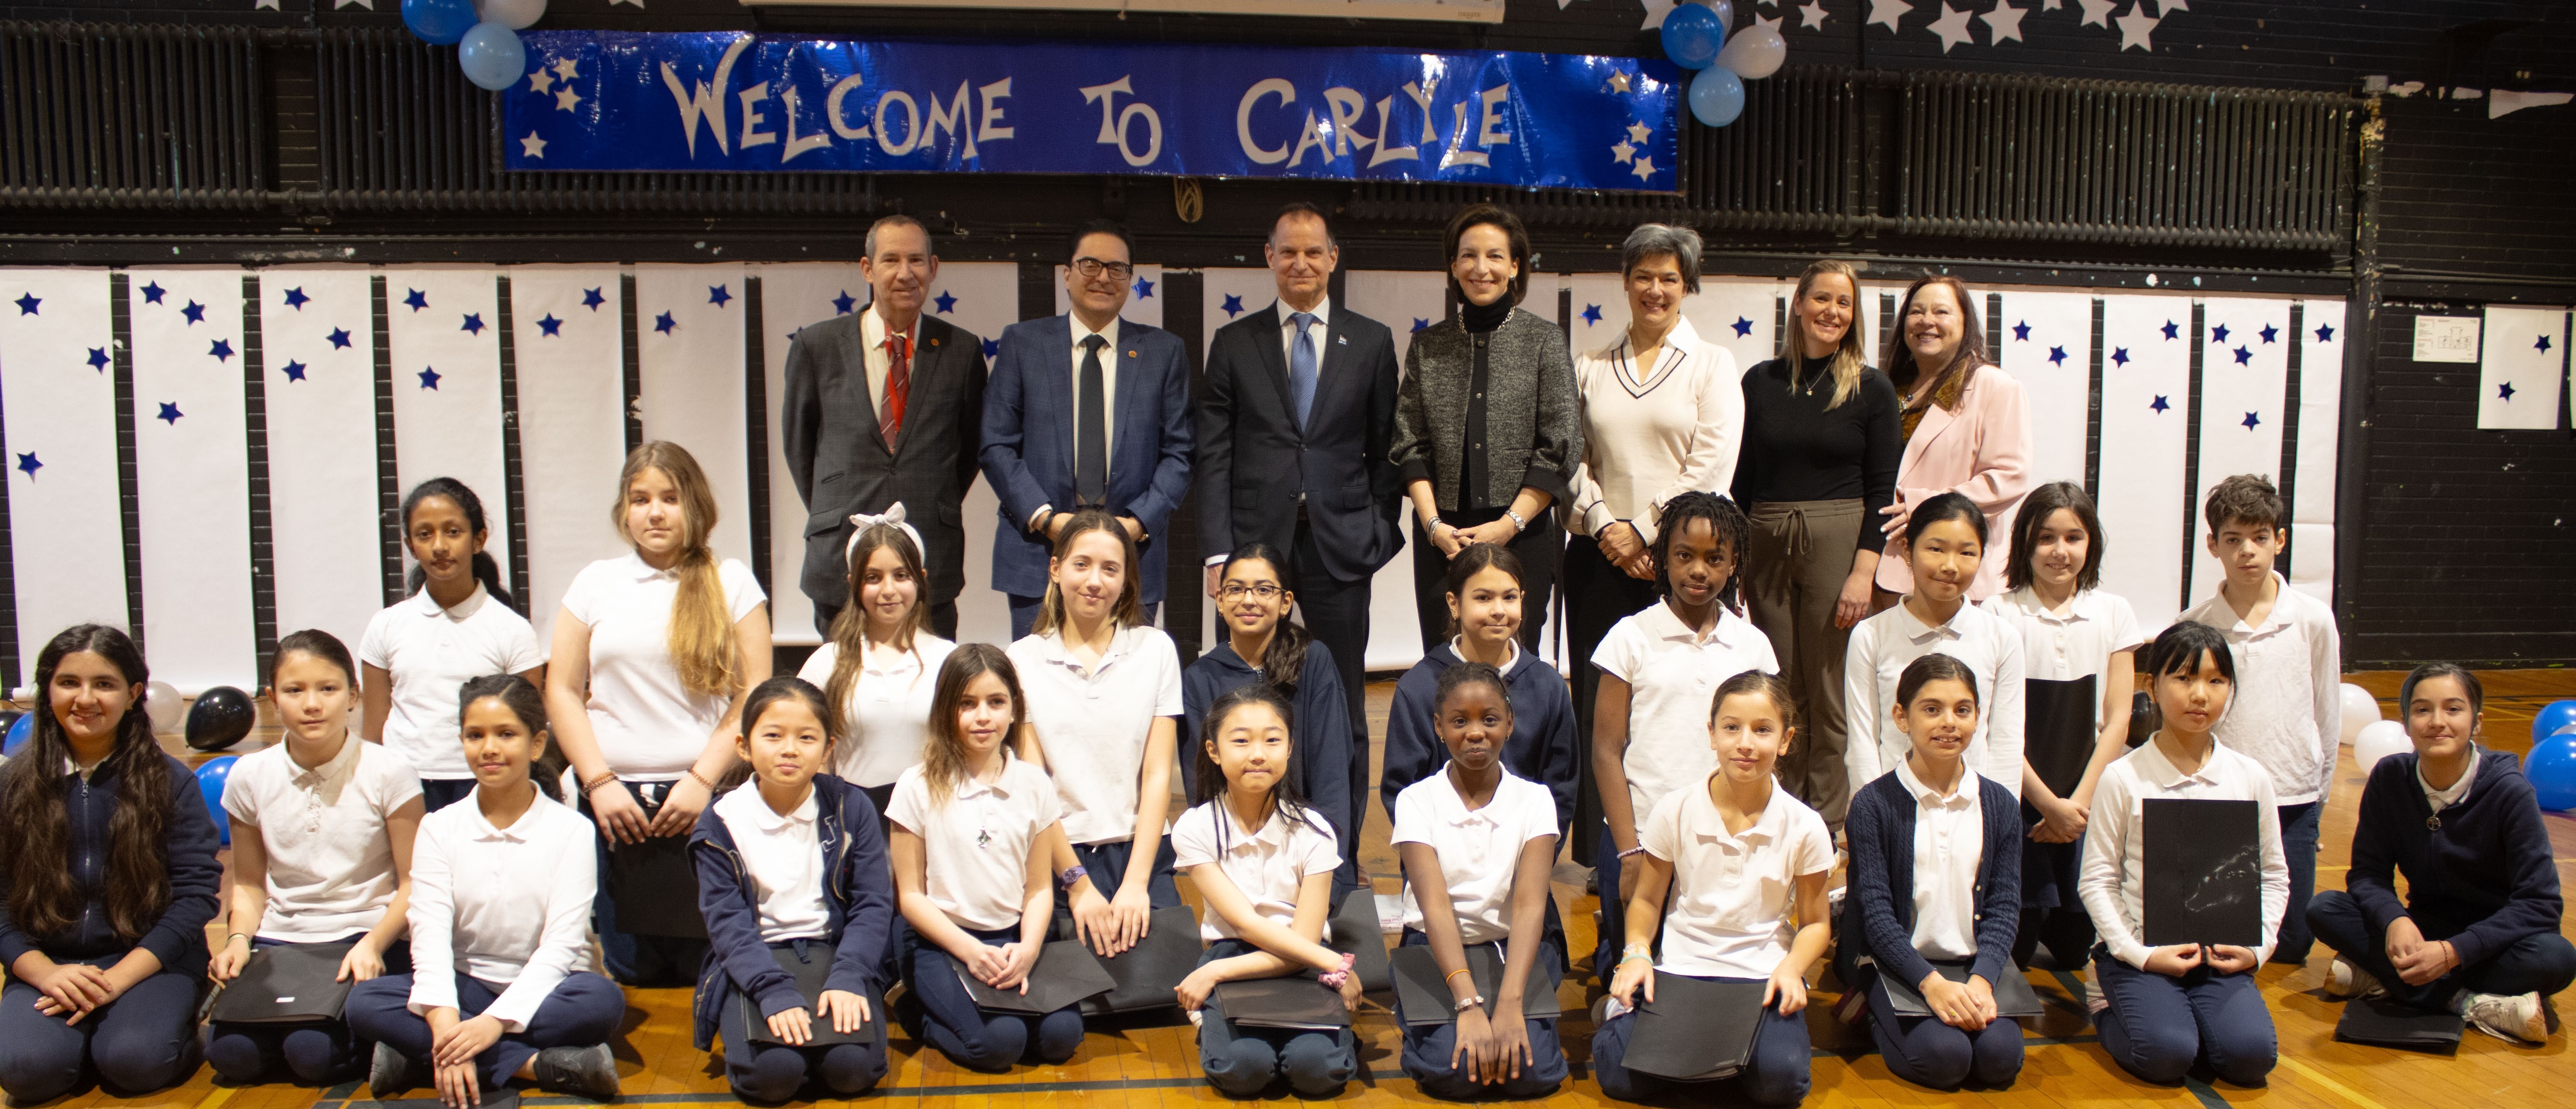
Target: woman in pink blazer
(1966, 425)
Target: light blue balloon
(211, 779)
(2551, 770)
(1693, 35)
(1716, 96)
(438, 22)
(492, 56)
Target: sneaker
(1852, 1007)
(588, 1071)
(2345, 981)
(390, 1073)
(2515, 1019)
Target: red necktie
(898, 385)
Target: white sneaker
(2514, 1019)
(2345, 981)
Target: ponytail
(486, 570)
(702, 644)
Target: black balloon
(220, 718)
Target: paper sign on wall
(2446, 338)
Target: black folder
(2013, 996)
(2381, 1022)
(810, 971)
(1147, 973)
(1422, 991)
(1695, 1030)
(2204, 872)
(284, 983)
(1295, 1002)
(1355, 932)
(1067, 973)
(2057, 729)
(652, 884)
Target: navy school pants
(773, 1073)
(1241, 1060)
(142, 1041)
(2544, 963)
(584, 1009)
(1775, 1074)
(2158, 1027)
(317, 1053)
(972, 1037)
(1427, 1047)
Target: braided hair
(1725, 521)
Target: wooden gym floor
(1146, 1065)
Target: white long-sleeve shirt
(1882, 645)
(2285, 713)
(2113, 880)
(509, 906)
(1653, 433)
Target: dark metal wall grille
(138, 116)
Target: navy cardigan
(1880, 829)
(858, 887)
(2483, 880)
(178, 937)
(1321, 730)
(1542, 747)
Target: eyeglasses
(1088, 266)
(1234, 591)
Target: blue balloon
(22, 727)
(492, 57)
(1716, 96)
(2551, 770)
(438, 22)
(2558, 714)
(1693, 35)
(211, 776)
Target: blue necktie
(1301, 367)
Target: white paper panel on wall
(2047, 344)
(443, 329)
(2321, 353)
(1879, 304)
(1144, 295)
(688, 345)
(2519, 371)
(58, 392)
(791, 297)
(2244, 376)
(318, 342)
(2146, 406)
(192, 476)
(1741, 314)
(567, 337)
(1227, 295)
(1598, 311)
(1405, 301)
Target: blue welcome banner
(739, 102)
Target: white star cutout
(2135, 27)
(370, 5)
(614, 3)
(1637, 132)
(541, 82)
(1888, 12)
(1656, 10)
(2097, 13)
(1772, 23)
(2004, 23)
(532, 146)
(1618, 82)
(565, 98)
(1952, 27)
(1645, 167)
(567, 68)
(269, 4)
(1811, 17)
(2172, 6)
(1623, 154)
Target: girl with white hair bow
(882, 663)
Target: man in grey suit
(885, 406)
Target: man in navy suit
(1085, 410)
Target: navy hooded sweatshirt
(1321, 731)
(1542, 747)
(2483, 879)
(178, 937)
(858, 895)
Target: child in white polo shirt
(1945, 543)
(1263, 862)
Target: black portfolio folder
(1424, 991)
(2013, 996)
(1067, 973)
(1146, 974)
(810, 972)
(1695, 1030)
(2381, 1022)
(288, 982)
(652, 884)
(2204, 872)
(2057, 729)
(1298, 1002)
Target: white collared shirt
(650, 728)
(1323, 312)
(1267, 866)
(1733, 895)
(1092, 722)
(2113, 881)
(1883, 645)
(431, 652)
(887, 716)
(2442, 799)
(784, 856)
(2284, 712)
(880, 361)
(1479, 849)
(1108, 406)
(1653, 433)
(1673, 673)
(1949, 842)
(975, 848)
(330, 858)
(509, 906)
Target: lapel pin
(1342, 340)
(1131, 354)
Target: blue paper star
(28, 465)
(2119, 356)
(1144, 288)
(946, 301)
(152, 293)
(2218, 334)
(592, 299)
(1418, 324)
(339, 338)
(665, 324)
(2021, 332)
(842, 304)
(2172, 330)
(1591, 314)
(992, 348)
(473, 323)
(222, 350)
(550, 325)
(2269, 333)
(2244, 356)
(718, 295)
(27, 303)
(429, 377)
(2250, 421)
(2505, 390)
(296, 299)
(416, 299)
(2542, 345)
(295, 371)
(98, 359)
(195, 312)
(1232, 307)
(2160, 404)
(2057, 356)
(1743, 327)
(170, 412)
(2325, 333)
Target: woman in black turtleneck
(1487, 423)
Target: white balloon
(1754, 52)
(167, 710)
(513, 14)
(2359, 708)
(2377, 741)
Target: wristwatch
(1469, 1003)
(1518, 525)
(1071, 875)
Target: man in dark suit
(1293, 443)
(1085, 410)
(884, 406)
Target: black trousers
(942, 620)
(1336, 614)
(1537, 547)
(1597, 596)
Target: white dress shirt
(650, 728)
(1883, 645)
(1653, 433)
(887, 718)
(1479, 849)
(508, 906)
(1673, 673)
(784, 855)
(432, 652)
(330, 859)
(1321, 329)
(2285, 713)
(880, 361)
(1092, 722)
(1108, 405)
(1728, 914)
(2113, 881)
(1949, 842)
(975, 848)
(1267, 866)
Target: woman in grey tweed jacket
(1488, 427)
